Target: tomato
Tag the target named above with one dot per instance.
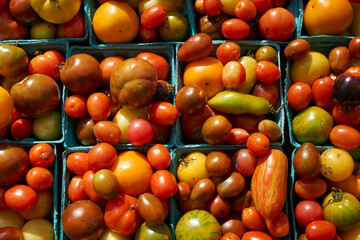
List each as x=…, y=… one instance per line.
x=153, y=17
x=351, y=235
x=231, y=185
x=233, y=75
x=98, y=106
x=122, y=215
x=339, y=58
x=228, y=51
x=191, y=168
x=107, y=132
x=161, y=133
x=307, y=211
x=41, y=155
x=47, y=63
x=88, y=186
x=148, y=35
x=217, y=164
x=133, y=172
x=267, y=72
x=163, y=184
x=246, y=121
x=336, y=164
x=21, y=129
x=342, y=115
x=190, y=99
x=230, y=236
x=107, y=67
x=244, y=162
x=245, y=10
x=212, y=25
x=258, y=144
x=163, y=91
x=255, y=235
x=354, y=47
x=237, y=136
x=345, y=137
x=297, y=49
x=74, y=28
x=85, y=131
x=321, y=91
x=102, y=155
x=232, y=223
x=40, y=179
x=299, y=96
x=115, y=22
x=78, y=162
x=106, y=184
x=10, y=233
x=163, y=113
x=216, y=130
x=199, y=7
x=20, y=198
x=160, y=63
x=253, y=220
x=220, y=207
x=76, y=191
x=310, y=188
x=320, y=229
x=2, y=199
x=266, y=53
x=75, y=106
x=277, y=24
x=235, y=29
x=139, y=132
x=203, y=190
x=183, y=191
x=115, y=106
x=158, y=156
x=151, y=209
x=212, y=7
x=263, y=5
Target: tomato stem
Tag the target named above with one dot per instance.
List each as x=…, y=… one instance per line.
x=336, y=196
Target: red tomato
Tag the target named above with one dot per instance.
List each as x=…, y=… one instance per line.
x=88, y=186
x=219, y=206
x=40, y=179
x=245, y=10
x=75, y=28
x=98, y=106
x=160, y=63
x=345, y=137
x=354, y=47
x=161, y=133
x=246, y=121
x=256, y=235
x=107, y=67
x=2, y=199
x=20, y=198
x=158, y=156
x=310, y=188
x=47, y=63
x=148, y=35
x=163, y=184
x=320, y=229
x=263, y=5
x=307, y=211
x=21, y=129
x=15, y=116
x=268, y=91
x=102, y=155
x=228, y=51
x=212, y=7
x=78, y=162
x=237, y=136
x=266, y=71
x=233, y=75
x=299, y=96
x=76, y=191
x=75, y=106
x=258, y=143
x=345, y=115
x=163, y=113
x=277, y=24
x=321, y=91
x=183, y=191
x=41, y=155
x=199, y=7
x=244, y=162
x=235, y=29
x=230, y=236
x=252, y=219
x=108, y=132
x=153, y=17
x=139, y=132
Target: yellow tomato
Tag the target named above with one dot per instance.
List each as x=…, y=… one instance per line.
x=228, y=6
x=10, y=218
x=110, y=235
x=38, y=229
x=6, y=106
x=351, y=235
x=205, y=73
x=42, y=207
x=249, y=64
x=351, y=184
x=310, y=68
x=169, y=5
x=191, y=169
x=336, y=164
x=116, y=22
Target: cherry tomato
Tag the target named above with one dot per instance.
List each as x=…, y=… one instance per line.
x=47, y=63
x=75, y=106
x=233, y=75
x=345, y=137
x=297, y=49
x=163, y=184
x=354, y=47
x=153, y=17
x=78, y=162
x=266, y=53
x=321, y=91
x=107, y=67
x=212, y=7
x=310, y=188
x=307, y=211
x=252, y=219
x=88, y=185
x=267, y=72
x=339, y=58
x=148, y=35
x=320, y=229
x=299, y=96
x=190, y=99
x=139, y=132
x=76, y=191
x=244, y=162
x=40, y=179
x=20, y=198
x=246, y=121
x=102, y=155
x=160, y=63
x=228, y=51
x=220, y=207
x=21, y=129
x=263, y=5
x=183, y=191
x=15, y=116
x=41, y=155
x=230, y=236
x=258, y=143
x=245, y=10
x=345, y=115
x=199, y=7
x=237, y=136
x=268, y=91
x=158, y=156
x=108, y=132
x=256, y=235
x=98, y=106
x=163, y=113
x=235, y=29
x=74, y=28
x=161, y=133
x=216, y=130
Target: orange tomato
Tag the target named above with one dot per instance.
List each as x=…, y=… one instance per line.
x=328, y=16
x=351, y=184
x=345, y=137
x=6, y=106
x=116, y=22
x=205, y=73
x=134, y=172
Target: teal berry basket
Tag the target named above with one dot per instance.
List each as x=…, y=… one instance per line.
x=248, y=48
x=178, y=153
x=95, y=41
x=125, y=51
x=32, y=47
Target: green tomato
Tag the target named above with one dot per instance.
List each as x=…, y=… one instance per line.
x=149, y=232
x=48, y=128
x=175, y=27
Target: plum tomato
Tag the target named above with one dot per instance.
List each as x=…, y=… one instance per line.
x=75, y=106
x=217, y=164
x=78, y=162
x=151, y=209
x=212, y=7
x=153, y=17
x=268, y=91
x=230, y=236
x=233, y=75
x=160, y=63
x=321, y=91
x=258, y=143
x=139, y=132
x=88, y=186
x=320, y=229
x=40, y=179
x=76, y=190
x=266, y=71
x=203, y=190
x=102, y=155
x=245, y=10
x=307, y=211
x=20, y=198
x=247, y=121
x=163, y=184
x=299, y=96
x=216, y=130
x=310, y=188
x=252, y=219
x=297, y=49
x=237, y=136
x=232, y=223
x=41, y=155
x=106, y=184
x=158, y=156
x=107, y=67
x=183, y=191
x=354, y=47
x=190, y=99
x=98, y=106
x=163, y=113
x=220, y=207
x=339, y=58
x=235, y=29
x=47, y=63
x=148, y=35
x=244, y=162
x=345, y=137
x=21, y=129
x=108, y=132
x=228, y=51
x=345, y=115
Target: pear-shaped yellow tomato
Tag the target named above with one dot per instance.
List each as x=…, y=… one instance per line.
x=116, y=22
x=6, y=106
x=330, y=17
x=57, y=12
x=191, y=168
x=311, y=67
x=336, y=164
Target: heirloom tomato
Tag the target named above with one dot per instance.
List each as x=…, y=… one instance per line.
x=336, y=164
x=108, y=132
x=190, y=99
x=160, y=64
x=307, y=211
x=102, y=155
x=107, y=67
x=342, y=115
x=163, y=184
x=245, y=10
x=7, y=106
x=212, y=7
x=153, y=17
x=310, y=188
x=98, y=106
x=159, y=156
x=299, y=96
x=321, y=92
x=351, y=184
x=78, y=162
x=320, y=229
x=252, y=219
x=47, y=63
x=43, y=206
x=217, y=164
x=76, y=191
x=40, y=179
x=20, y=198
x=75, y=106
x=258, y=143
x=230, y=236
x=139, y=132
x=235, y=29
x=192, y=168
x=266, y=71
x=163, y=113
x=228, y=51
x=345, y=137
